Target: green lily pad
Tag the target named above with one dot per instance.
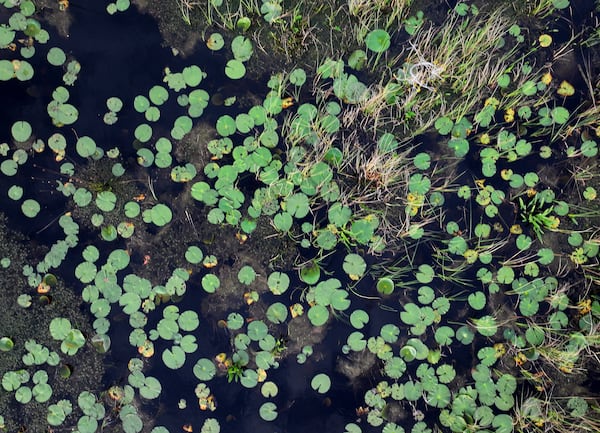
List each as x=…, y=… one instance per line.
x=268, y=411
x=257, y=330
x=278, y=282
x=321, y=383
x=193, y=75
x=378, y=40
x=318, y=315
x=359, y=318
x=6, y=344
x=235, y=69
x=242, y=48
x=486, y=325
x=173, y=357
x=21, y=131
x=354, y=265
x=204, y=369
x=215, y=42
x=210, y=283
x=85, y=146
x=277, y=313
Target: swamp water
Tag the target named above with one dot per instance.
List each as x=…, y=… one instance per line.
x=352, y=217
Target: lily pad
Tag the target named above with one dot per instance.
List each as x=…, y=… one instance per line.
x=215, y=42
x=321, y=383
x=378, y=40
x=235, y=69
x=268, y=411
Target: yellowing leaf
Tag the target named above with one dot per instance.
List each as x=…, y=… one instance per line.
x=296, y=310
x=146, y=349
x=565, y=89
x=545, y=40
x=547, y=78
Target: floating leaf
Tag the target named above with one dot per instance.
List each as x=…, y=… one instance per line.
x=85, y=272
x=143, y=132
x=283, y=221
x=545, y=40
x=235, y=321
x=15, y=192
x=174, y=357
x=318, y=315
x=6, y=344
x=23, y=395
x=257, y=330
x=235, y=69
x=106, y=200
x=159, y=214
x=268, y=411
x=114, y=104
x=443, y=335
x=565, y=89
x=359, y=318
x=389, y=332
x=242, y=48
x=486, y=325
x=444, y=125
x=321, y=383
x=150, y=388
x=21, y=131
x=226, y=125
x=204, y=369
x=269, y=389
x=354, y=265
x=42, y=392
x=188, y=321
x=278, y=282
x=277, y=313
x=560, y=115
x=158, y=95
x=30, y=208
x=385, y=286
x=378, y=40
x=438, y=396
x=210, y=283
x=194, y=254
x=9, y=167
x=215, y=42
x=85, y=146
x=425, y=274
x=477, y=300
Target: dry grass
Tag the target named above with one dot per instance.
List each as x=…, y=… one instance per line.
x=444, y=71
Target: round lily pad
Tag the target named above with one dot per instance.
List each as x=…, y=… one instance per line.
x=56, y=56
x=385, y=286
x=30, y=208
x=235, y=69
x=268, y=411
x=215, y=42
x=21, y=131
x=378, y=40
x=210, y=283
x=321, y=383
x=318, y=315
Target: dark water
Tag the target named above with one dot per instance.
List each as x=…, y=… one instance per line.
x=122, y=55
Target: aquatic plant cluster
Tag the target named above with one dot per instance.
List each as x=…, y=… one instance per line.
x=411, y=216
